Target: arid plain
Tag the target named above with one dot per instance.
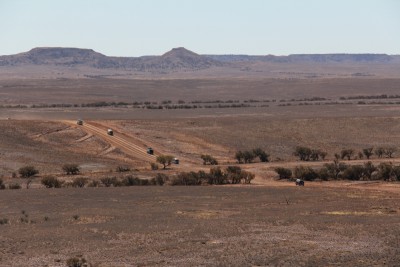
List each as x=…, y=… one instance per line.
x=270, y=222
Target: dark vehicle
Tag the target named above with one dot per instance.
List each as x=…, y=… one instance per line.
x=150, y=151
x=299, y=182
x=79, y=122
x=110, y=132
x=176, y=161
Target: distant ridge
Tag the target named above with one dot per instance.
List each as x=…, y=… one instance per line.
x=59, y=62
x=176, y=59
x=306, y=58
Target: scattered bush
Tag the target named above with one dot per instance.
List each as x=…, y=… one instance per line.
x=160, y=179
x=109, y=181
x=27, y=171
x=123, y=169
x=3, y=221
x=154, y=166
x=2, y=185
x=77, y=262
x=51, y=182
x=368, y=152
x=307, y=154
x=14, y=186
x=305, y=173
x=80, y=182
x=261, y=154
x=208, y=159
x=71, y=169
x=284, y=173
x=94, y=183
x=346, y=153
x=245, y=156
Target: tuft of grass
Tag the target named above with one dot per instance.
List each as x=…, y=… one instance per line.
x=75, y=217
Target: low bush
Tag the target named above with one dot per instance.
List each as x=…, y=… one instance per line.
x=71, y=169
x=51, y=182
x=123, y=169
x=154, y=166
x=80, y=182
x=27, y=171
x=2, y=185
x=284, y=173
x=208, y=159
x=77, y=262
x=14, y=186
x=109, y=181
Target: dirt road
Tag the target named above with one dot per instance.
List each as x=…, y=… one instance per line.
x=128, y=146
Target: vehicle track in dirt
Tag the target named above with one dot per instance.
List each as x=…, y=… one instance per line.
x=116, y=140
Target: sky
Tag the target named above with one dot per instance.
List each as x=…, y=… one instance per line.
x=153, y=27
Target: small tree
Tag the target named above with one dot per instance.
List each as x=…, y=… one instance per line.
x=389, y=151
x=385, y=171
x=27, y=171
x=283, y=173
x=354, y=172
x=248, y=156
x=369, y=169
x=346, y=153
x=71, y=169
x=239, y=156
x=335, y=169
x=208, y=159
x=165, y=160
x=233, y=173
x=304, y=153
x=247, y=176
x=305, y=173
x=379, y=152
x=368, y=152
x=261, y=154
x=2, y=185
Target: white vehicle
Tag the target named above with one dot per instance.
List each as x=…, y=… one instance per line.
x=110, y=132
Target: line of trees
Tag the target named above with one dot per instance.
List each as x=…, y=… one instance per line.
x=339, y=170
x=249, y=156
x=216, y=176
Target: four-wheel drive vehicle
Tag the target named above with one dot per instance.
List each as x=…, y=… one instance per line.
x=150, y=151
x=79, y=122
x=299, y=182
x=110, y=132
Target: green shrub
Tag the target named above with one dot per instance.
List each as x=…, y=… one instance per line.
x=3, y=221
x=2, y=185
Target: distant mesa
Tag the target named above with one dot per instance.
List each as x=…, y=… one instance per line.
x=176, y=60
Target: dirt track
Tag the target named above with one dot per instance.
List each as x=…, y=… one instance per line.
x=134, y=149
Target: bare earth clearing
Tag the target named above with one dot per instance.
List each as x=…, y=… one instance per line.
x=268, y=223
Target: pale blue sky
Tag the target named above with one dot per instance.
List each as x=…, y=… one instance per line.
x=152, y=27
